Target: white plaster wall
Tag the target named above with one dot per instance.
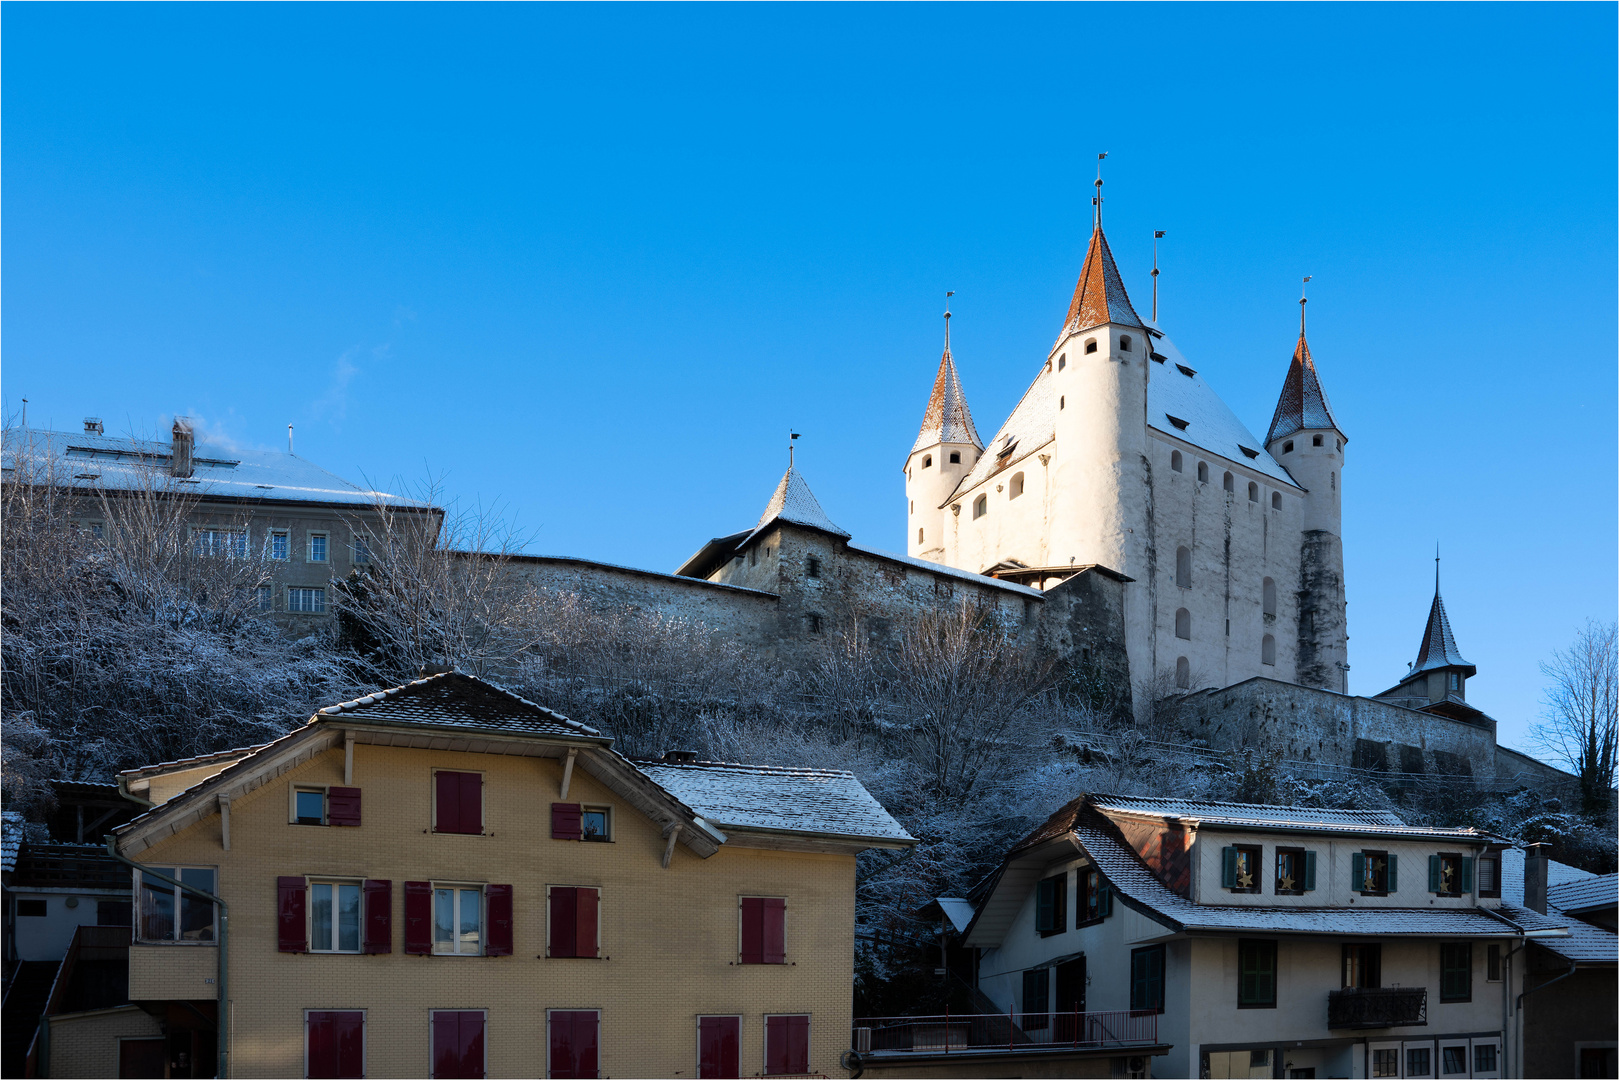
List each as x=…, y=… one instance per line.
x=47, y=937
x=1014, y=528
x=926, y=489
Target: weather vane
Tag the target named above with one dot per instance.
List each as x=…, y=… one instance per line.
x=1303, y=299
x=1157, y=235
x=1097, y=202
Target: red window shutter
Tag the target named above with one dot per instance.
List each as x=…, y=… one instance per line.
x=786, y=1045
x=774, y=937
x=291, y=927
x=418, y=917
x=718, y=1047
x=564, y=921
x=586, y=902
x=320, y=1045
x=500, y=921
x=753, y=940
x=379, y=916
x=343, y=806
x=350, y=1044
x=798, y=1044
x=573, y=1044
x=458, y=1044
x=565, y=821
x=447, y=816
x=775, y=1045
x=471, y=802
x=472, y=1045
x=335, y=1045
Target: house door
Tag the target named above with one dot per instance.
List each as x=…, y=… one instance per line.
x=142, y=1057
x=1070, y=1002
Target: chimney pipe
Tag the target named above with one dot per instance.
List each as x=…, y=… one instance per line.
x=1536, y=858
x=181, y=445
x=94, y=426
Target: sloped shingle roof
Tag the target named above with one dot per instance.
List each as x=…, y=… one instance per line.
x=1244, y=815
x=1438, y=648
x=1303, y=404
x=824, y=801
x=11, y=837
x=947, y=419
x=1586, y=895
x=1099, y=295
x=459, y=701
x=1585, y=943
x=794, y=501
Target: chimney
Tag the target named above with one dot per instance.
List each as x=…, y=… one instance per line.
x=1535, y=860
x=182, y=442
x=679, y=757
x=94, y=426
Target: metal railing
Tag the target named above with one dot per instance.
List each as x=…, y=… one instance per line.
x=1377, y=1008
x=948, y=1033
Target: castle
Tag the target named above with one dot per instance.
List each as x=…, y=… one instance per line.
x=1121, y=455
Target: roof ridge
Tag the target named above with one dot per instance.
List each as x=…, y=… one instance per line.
x=791, y=769
x=379, y=695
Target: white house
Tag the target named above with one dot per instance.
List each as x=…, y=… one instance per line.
x=1270, y=941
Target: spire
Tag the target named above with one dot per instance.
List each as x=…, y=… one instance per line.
x=1303, y=404
x=1099, y=297
x=1438, y=649
x=947, y=419
x=793, y=501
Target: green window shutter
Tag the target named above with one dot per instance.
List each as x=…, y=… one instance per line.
x=1433, y=873
x=1104, y=899
x=1357, y=871
x=1467, y=875
x=1394, y=873
x=1228, y=868
x=1309, y=871
x=1043, y=905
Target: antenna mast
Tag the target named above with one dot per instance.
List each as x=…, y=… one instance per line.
x=289, y=438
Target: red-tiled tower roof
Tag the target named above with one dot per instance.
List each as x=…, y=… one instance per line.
x=1303, y=404
x=1099, y=297
x=947, y=419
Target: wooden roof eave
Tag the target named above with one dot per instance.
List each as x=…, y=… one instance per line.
x=822, y=843
x=1017, y=876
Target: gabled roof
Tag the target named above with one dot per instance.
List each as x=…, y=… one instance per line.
x=12, y=827
x=1253, y=816
x=947, y=419
x=455, y=700
x=793, y=501
x=821, y=802
x=1099, y=296
x=1303, y=405
x=1591, y=894
x=1585, y=943
x=89, y=462
x=1438, y=649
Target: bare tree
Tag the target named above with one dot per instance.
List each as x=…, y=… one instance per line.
x=1581, y=721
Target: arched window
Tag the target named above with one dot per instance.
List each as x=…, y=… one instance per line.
x=1183, y=567
x=1230, y=483
x=1253, y=491
x=1183, y=624
x=1124, y=343
x=1090, y=346
x=919, y=538
x=1269, y=596
x=913, y=506
x=1017, y=487
x=980, y=506
x=1175, y=461
x=1267, y=651
x=955, y=457
x=1202, y=472
x=1183, y=673
x=927, y=461
x=1062, y=361
x=1276, y=500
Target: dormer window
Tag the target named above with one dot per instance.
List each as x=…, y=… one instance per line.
x=1188, y=372
x=1179, y=424
x=1090, y=346
x=927, y=461
x=1124, y=343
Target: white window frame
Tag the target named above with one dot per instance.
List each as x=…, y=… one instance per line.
x=216, y=533
x=1419, y=1044
x=292, y=803
x=264, y=598
x=309, y=913
x=432, y=1051
x=607, y=818
x=809, y=1047
x=174, y=870
x=269, y=545
x=1399, y=1056
x=1441, y=1045
x=455, y=933
x=548, y=1013
x=1472, y=1057
x=365, y=1037
x=311, y=589
x=786, y=906
x=360, y=555
x=597, y=889
x=309, y=547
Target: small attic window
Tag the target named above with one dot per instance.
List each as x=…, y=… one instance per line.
x=927, y=462
x=1180, y=425
x=1006, y=450
x=1247, y=451
x=1158, y=356
x=1315, y=440
x=1062, y=361
x=1287, y=447
x=1090, y=346
x=1188, y=372
x=1124, y=343
x=955, y=457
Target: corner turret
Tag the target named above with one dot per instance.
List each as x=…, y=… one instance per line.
x=1439, y=672
x=946, y=449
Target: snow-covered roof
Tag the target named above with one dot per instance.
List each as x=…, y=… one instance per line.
x=826, y=802
x=452, y=699
x=957, y=910
x=794, y=501
x=1031, y=425
x=1303, y=405
x=1589, y=894
x=88, y=461
x=1438, y=649
x=947, y=419
x=1585, y=942
x=182, y=764
x=12, y=826
x=949, y=571
x=1099, y=295
x=1247, y=816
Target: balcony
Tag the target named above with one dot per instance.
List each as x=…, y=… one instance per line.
x=951, y=1034
x=1380, y=1008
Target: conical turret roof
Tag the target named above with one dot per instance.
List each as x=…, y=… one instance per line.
x=794, y=502
x=1438, y=650
x=1303, y=404
x=1099, y=297
x=947, y=419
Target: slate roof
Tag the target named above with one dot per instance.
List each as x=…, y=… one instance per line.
x=11, y=837
x=1438, y=649
x=1099, y=296
x=89, y=462
x=455, y=700
x=1246, y=816
x=793, y=501
x=1303, y=404
x=814, y=801
x=1585, y=895
x=182, y=764
x=947, y=419
x=1586, y=943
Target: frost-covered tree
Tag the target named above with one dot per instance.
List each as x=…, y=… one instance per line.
x=1581, y=721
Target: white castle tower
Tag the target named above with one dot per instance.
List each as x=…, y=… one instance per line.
x=1121, y=456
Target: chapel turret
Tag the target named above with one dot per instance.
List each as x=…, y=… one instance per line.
x=946, y=449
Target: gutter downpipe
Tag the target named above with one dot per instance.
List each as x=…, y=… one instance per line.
x=222, y=1022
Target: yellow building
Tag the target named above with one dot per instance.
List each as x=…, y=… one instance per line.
x=444, y=879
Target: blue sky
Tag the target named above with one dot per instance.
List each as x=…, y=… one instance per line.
x=591, y=263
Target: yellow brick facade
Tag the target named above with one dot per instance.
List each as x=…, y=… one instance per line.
x=86, y=1043
x=669, y=937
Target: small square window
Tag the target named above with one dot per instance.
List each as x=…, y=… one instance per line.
x=1315, y=440
x=334, y=916
x=280, y=545
x=594, y=824
x=31, y=909
x=317, y=547
x=309, y=806
x=1290, y=872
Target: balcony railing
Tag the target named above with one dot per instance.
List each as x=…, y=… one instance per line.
x=947, y=1033
x=1381, y=1008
